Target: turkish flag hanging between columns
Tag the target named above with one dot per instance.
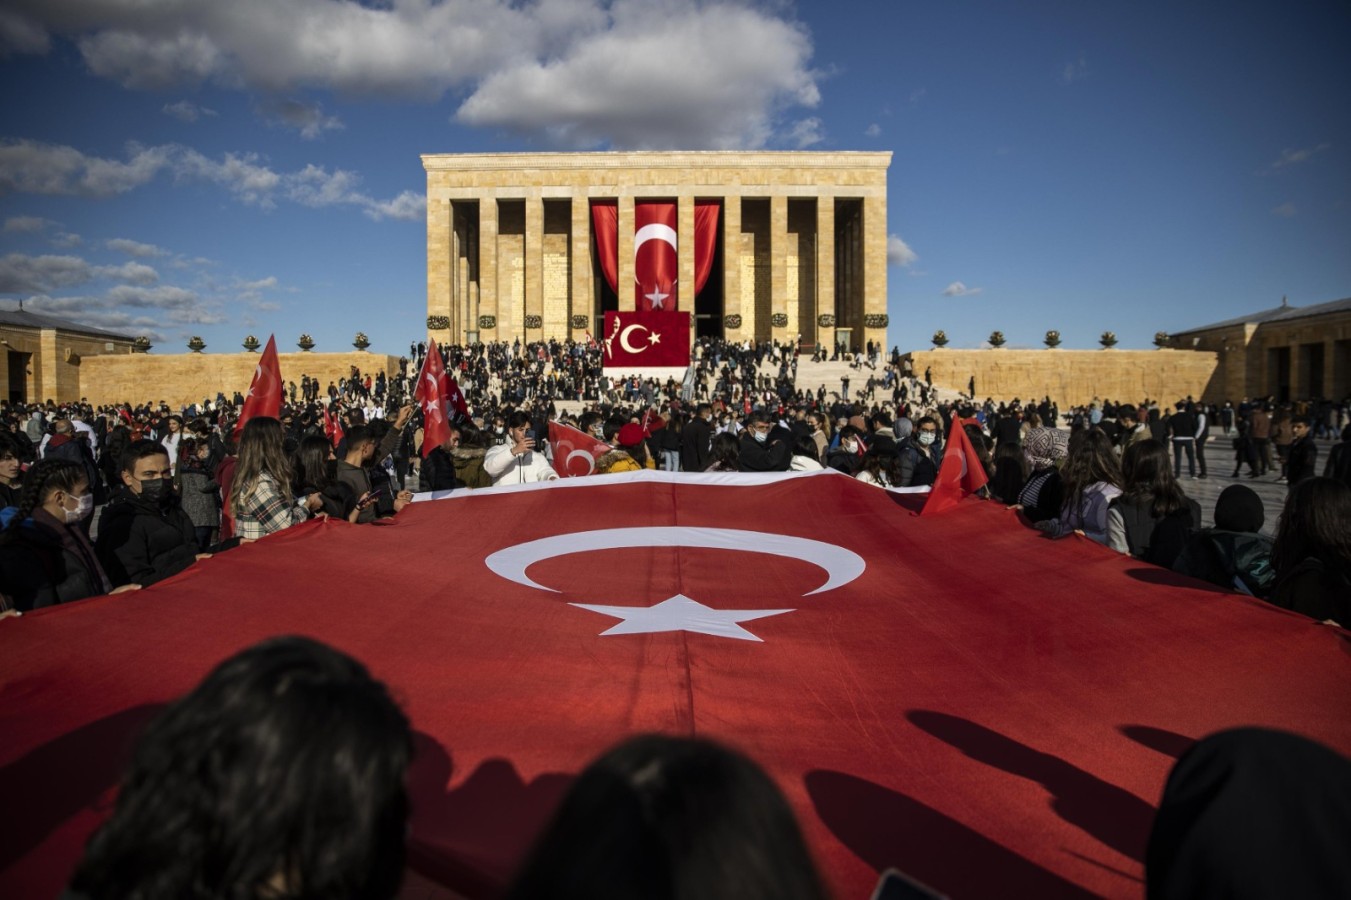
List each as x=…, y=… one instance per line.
x=959, y=474
x=575, y=452
x=656, y=246
x=646, y=339
x=431, y=396
x=264, y=397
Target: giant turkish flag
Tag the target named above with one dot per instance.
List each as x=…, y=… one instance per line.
x=988, y=710
x=637, y=340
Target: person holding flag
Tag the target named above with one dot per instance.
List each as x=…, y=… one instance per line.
x=264, y=397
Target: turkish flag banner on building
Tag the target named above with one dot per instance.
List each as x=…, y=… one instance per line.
x=574, y=452
x=988, y=735
x=656, y=267
x=431, y=396
x=264, y=397
x=646, y=339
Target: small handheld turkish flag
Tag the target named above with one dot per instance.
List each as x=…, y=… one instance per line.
x=264, y=397
x=575, y=452
x=960, y=473
x=431, y=396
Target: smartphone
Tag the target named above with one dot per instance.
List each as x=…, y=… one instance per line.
x=895, y=885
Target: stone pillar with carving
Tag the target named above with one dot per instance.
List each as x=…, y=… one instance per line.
x=487, y=270
x=534, y=270
x=825, y=274
x=440, y=269
x=582, y=297
x=625, y=278
x=778, y=266
x=874, y=271
x=731, y=268
x=685, y=254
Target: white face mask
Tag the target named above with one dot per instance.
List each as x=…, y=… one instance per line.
x=927, y=437
x=80, y=512
x=851, y=446
x=762, y=436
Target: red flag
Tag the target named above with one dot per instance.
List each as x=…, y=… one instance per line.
x=333, y=426
x=574, y=452
x=645, y=340
x=455, y=404
x=960, y=473
x=264, y=397
x=1005, y=747
x=655, y=266
x=432, y=383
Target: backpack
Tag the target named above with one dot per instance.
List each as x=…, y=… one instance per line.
x=1236, y=560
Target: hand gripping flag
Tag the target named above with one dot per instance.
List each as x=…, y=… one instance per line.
x=431, y=396
x=264, y=397
x=574, y=452
x=961, y=473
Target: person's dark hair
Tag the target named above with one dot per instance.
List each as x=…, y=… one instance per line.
x=759, y=416
x=670, y=818
x=805, y=446
x=725, y=450
x=358, y=435
x=41, y=479
x=881, y=420
x=850, y=431
x=517, y=418
x=309, y=464
x=471, y=436
x=885, y=468
x=1314, y=523
x=1147, y=477
x=9, y=446
x=281, y=774
x=1090, y=460
x=137, y=451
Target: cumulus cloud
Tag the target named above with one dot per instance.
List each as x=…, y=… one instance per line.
x=957, y=289
x=36, y=168
x=1290, y=157
x=1075, y=70
x=27, y=224
x=1286, y=210
x=805, y=133
x=899, y=252
x=22, y=274
x=307, y=118
x=65, y=240
x=632, y=73
x=135, y=248
x=186, y=111
x=872, y=130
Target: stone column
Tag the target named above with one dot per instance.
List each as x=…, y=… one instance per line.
x=487, y=266
x=685, y=256
x=534, y=266
x=825, y=270
x=731, y=264
x=440, y=266
x=624, y=279
x=582, y=300
x=874, y=266
x=778, y=262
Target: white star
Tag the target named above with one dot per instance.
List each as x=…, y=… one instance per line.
x=656, y=297
x=680, y=613
x=653, y=338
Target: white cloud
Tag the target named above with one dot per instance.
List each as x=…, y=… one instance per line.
x=308, y=119
x=186, y=111
x=21, y=274
x=1290, y=157
x=957, y=289
x=27, y=224
x=805, y=133
x=1286, y=210
x=65, y=240
x=899, y=252
x=633, y=73
x=32, y=167
x=1075, y=70
x=135, y=248
x=872, y=130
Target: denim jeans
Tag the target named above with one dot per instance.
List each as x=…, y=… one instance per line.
x=1189, y=444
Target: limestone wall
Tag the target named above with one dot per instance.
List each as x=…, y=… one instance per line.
x=180, y=379
x=1073, y=377
x=51, y=360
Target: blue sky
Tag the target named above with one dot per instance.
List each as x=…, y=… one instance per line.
x=213, y=168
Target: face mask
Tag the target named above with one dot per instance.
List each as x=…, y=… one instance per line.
x=156, y=489
x=927, y=437
x=851, y=446
x=762, y=436
x=81, y=512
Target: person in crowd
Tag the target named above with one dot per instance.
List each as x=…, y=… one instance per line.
x=11, y=474
x=1182, y=428
x=670, y=441
x=438, y=466
x=1010, y=472
x=1301, y=458
x=981, y=444
x=173, y=436
x=352, y=470
x=1282, y=436
x=515, y=460
x=880, y=468
x=72, y=445
x=669, y=818
x=765, y=446
x=1092, y=480
x=804, y=455
x=928, y=453
x=1132, y=430
x=1234, y=554
x=1043, y=493
x=696, y=440
x=1339, y=459
x=290, y=720
x=45, y=556
x=196, y=490
x=144, y=536
x=314, y=471
x=469, y=456
x=1312, y=556
x=847, y=456
x=1153, y=517
x=259, y=496
x=629, y=453
x=1250, y=814
x=1259, y=432
x=725, y=453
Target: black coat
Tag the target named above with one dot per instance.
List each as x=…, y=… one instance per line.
x=695, y=445
x=438, y=472
x=1302, y=463
x=774, y=455
x=140, y=542
x=38, y=568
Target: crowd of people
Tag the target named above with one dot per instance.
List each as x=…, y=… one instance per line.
x=170, y=488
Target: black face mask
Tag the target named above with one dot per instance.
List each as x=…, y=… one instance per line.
x=158, y=490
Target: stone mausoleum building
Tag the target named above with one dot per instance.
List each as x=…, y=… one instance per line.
x=43, y=355
x=800, y=243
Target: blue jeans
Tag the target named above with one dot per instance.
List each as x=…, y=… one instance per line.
x=1178, y=445
x=670, y=460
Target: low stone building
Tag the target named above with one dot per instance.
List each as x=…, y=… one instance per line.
x=44, y=355
x=1289, y=352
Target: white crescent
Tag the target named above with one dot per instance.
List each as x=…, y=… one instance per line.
x=840, y=565
x=590, y=461
x=654, y=232
x=624, y=339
